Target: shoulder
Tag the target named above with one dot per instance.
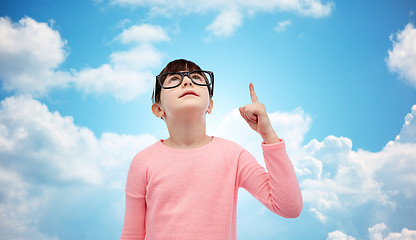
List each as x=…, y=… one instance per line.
x=228, y=145
x=147, y=153
x=220, y=140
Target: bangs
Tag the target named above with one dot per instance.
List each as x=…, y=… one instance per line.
x=180, y=65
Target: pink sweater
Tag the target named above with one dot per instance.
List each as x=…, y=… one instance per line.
x=192, y=194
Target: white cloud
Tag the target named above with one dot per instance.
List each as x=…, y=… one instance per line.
x=145, y=33
x=338, y=235
x=405, y=234
x=231, y=13
x=122, y=85
x=281, y=26
x=408, y=131
x=315, y=8
x=351, y=178
x=402, y=58
x=377, y=232
x=44, y=145
x=226, y=23
x=30, y=54
x=17, y=206
x=44, y=155
x=49, y=148
x=338, y=178
x=312, y=8
x=126, y=76
x=33, y=52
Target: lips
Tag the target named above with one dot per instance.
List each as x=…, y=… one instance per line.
x=189, y=92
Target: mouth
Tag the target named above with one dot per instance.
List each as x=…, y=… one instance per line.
x=188, y=93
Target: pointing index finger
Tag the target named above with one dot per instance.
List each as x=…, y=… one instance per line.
x=253, y=94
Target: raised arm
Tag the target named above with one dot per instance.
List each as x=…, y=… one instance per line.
x=277, y=189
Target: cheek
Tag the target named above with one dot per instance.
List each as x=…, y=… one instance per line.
x=165, y=99
x=164, y=95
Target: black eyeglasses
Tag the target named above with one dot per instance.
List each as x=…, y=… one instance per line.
x=174, y=79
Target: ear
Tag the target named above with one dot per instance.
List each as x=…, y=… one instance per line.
x=211, y=105
x=158, y=111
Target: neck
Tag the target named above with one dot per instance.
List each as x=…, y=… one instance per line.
x=186, y=133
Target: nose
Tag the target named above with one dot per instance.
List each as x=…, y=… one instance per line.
x=186, y=81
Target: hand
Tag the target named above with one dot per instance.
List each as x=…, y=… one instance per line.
x=256, y=116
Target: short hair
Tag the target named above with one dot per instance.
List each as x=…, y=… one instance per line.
x=176, y=66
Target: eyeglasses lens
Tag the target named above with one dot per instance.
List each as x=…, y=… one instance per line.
x=201, y=78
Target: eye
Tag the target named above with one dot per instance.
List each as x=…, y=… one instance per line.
x=197, y=78
x=174, y=79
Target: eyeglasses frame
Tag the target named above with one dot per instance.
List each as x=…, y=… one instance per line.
x=188, y=74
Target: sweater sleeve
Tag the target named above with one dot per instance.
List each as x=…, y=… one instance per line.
x=135, y=209
x=277, y=189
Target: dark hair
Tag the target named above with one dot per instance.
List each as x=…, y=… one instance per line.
x=176, y=66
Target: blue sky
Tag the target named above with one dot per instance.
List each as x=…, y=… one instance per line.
x=337, y=77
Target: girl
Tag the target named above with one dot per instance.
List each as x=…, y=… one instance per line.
x=185, y=187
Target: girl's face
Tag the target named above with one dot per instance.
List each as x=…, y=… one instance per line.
x=186, y=98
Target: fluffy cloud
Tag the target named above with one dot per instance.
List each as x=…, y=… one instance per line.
x=30, y=54
x=338, y=235
x=402, y=58
x=128, y=74
x=338, y=178
x=44, y=156
x=405, y=234
x=125, y=77
x=48, y=149
x=345, y=180
x=408, y=131
x=349, y=178
x=376, y=232
x=44, y=146
x=226, y=23
x=143, y=34
x=33, y=51
x=231, y=13
x=312, y=8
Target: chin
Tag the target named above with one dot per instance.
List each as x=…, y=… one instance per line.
x=193, y=108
